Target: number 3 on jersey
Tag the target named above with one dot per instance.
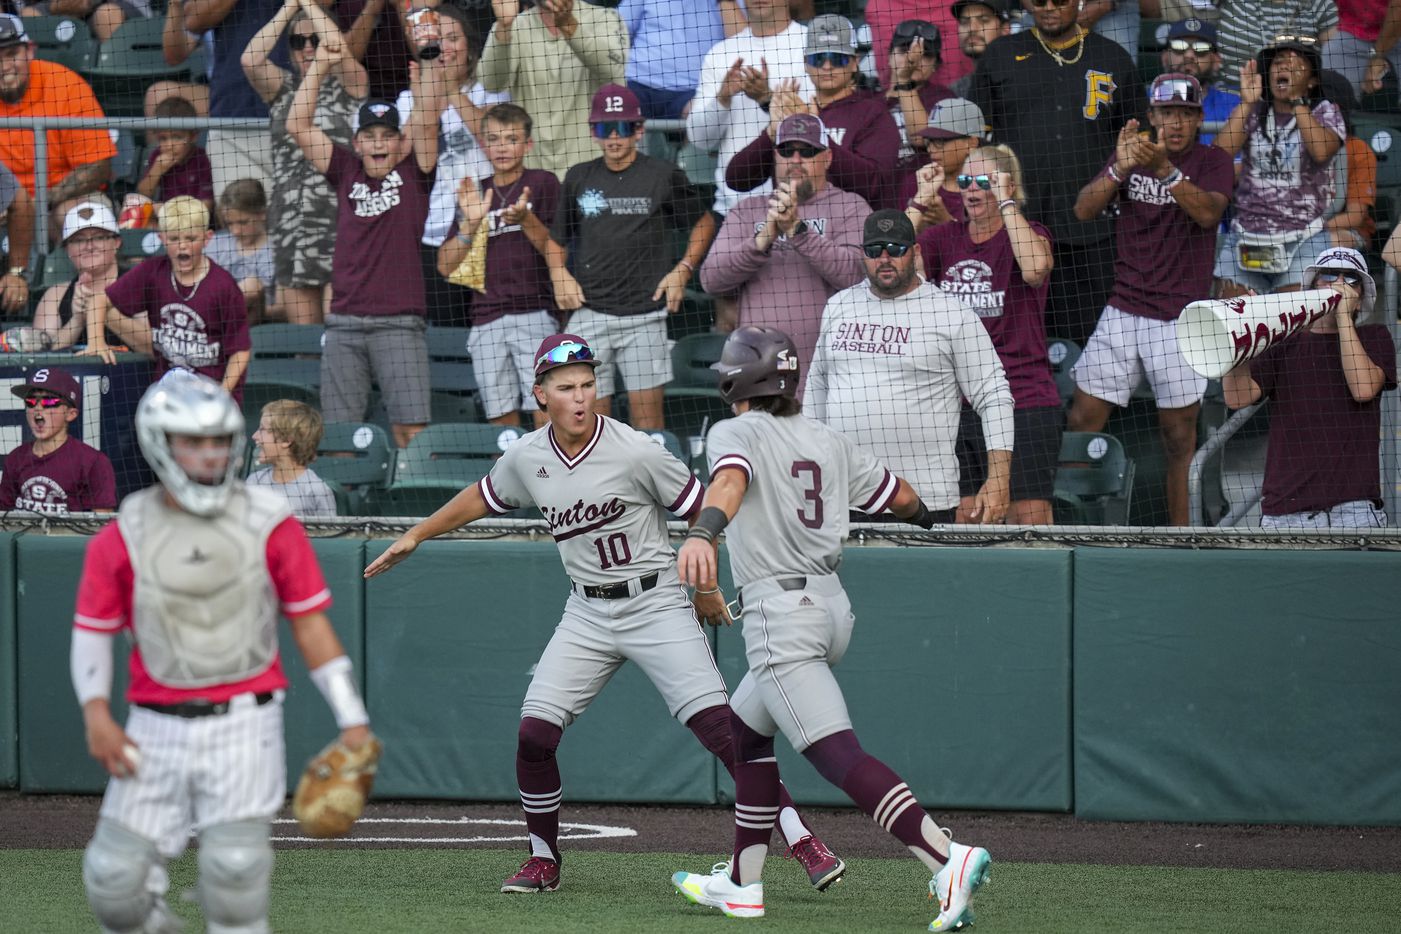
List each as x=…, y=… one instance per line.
x=613, y=551
x=809, y=476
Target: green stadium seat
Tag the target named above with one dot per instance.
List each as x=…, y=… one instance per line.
x=63, y=40
x=58, y=269
x=1383, y=133
x=286, y=364
x=140, y=244
x=1063, y=354
x=439, y=463
x=1094, y=480
x=128, y=62
x=691, y=401
x=669, y=441
x=451, y=376
x=359, y=457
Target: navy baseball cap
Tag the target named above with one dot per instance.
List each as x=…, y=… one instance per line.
x=559, y=350
x=50, y=379
x=377, y=113
x=1190, y=28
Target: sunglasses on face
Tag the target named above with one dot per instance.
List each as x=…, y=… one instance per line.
x=568, y=352
x=1191, y=45
x=607, y=128
x=874, y=250
x=43, y=402
x=982, y=181
x=1333, y=275
x=1045, y=3
x=835, y=59
x=297, y=41
x=803, y=150
x=1175, y=91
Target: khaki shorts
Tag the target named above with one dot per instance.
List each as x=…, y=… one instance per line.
x=634, y=345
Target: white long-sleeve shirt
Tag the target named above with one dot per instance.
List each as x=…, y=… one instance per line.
x=713, y=127
x=891, y=375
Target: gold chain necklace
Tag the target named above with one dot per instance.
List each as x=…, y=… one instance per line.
x=1060, y=59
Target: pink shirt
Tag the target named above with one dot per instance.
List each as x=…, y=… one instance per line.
x=105, y=600
x=884, y=15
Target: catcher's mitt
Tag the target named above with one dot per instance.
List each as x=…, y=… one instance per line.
x=333, y=789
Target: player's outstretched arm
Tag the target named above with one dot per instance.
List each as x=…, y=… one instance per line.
x=696, y=562
x=467, y=506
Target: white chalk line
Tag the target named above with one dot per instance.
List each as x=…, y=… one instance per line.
x=567, y=831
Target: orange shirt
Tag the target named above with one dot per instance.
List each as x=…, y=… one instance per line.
x=1362, y=183
x=54, y=91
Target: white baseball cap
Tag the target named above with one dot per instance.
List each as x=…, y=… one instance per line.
x=89, y=214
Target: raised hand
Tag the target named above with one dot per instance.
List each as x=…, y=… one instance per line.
x=473, y=205
x=783, y=209
x=732, y=83
x=1124, y=157
x=506, y=12
x=1252, y=86
x=515, y=214
x=756, y=82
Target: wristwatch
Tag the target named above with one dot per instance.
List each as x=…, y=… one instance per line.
x=16, y=271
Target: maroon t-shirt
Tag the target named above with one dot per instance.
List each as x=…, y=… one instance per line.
x=193, y=177
x=517, y=279
x=75, y=478
x=376, y=269
x=986, y=278
x=192, y=327
x=1323, y=445
x=865, y=145
x=1165, y=257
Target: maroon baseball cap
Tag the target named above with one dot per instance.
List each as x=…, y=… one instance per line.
x=801, y=128
x=562, y=350
x=50, y=379
x=614, y=102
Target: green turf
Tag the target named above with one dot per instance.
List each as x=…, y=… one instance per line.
x=391, y=891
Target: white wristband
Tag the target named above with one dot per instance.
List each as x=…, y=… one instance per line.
x=335, y=680
x=90, y=663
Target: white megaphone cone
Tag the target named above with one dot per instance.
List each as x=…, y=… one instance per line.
x=1217, y=335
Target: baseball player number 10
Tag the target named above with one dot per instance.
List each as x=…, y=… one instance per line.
x=615, y=547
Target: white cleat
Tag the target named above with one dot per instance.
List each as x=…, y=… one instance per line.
x=717, y=891
x=955, y=883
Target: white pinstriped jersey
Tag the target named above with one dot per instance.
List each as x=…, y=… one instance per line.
x=803, y=480
x=606, y=506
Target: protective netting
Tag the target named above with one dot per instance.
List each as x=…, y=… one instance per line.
x=365, y=218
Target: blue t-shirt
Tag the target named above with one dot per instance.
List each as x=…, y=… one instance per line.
x=1216, y=108
x=230, y=94
x=669, y=40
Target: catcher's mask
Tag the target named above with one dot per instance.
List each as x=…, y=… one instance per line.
x=757, y=362
x=185, y=403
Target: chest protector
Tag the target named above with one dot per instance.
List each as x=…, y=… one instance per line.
x=204, y=610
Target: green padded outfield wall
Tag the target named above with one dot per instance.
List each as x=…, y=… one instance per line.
x=52, y=751
x=957, y=676
x=454, y=635
x=9, y=714
x=1237, y=686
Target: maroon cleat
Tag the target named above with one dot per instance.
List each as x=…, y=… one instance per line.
x=536, y=874
x=824, y=867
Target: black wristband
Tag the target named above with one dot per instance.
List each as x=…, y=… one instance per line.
x=922, y=517
x=709, y=524
x=904, y=86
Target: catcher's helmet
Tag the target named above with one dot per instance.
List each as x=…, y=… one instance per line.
x=757, y=362
x=185, y=403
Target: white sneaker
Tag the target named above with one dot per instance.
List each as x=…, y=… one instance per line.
x=717, y=891
x=955, y=883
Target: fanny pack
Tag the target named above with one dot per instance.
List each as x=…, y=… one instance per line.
x=1271, y=253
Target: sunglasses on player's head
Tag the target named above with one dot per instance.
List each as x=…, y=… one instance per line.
x=789, y=150
x=297, y=42
x=44, y=402
x=982, y=181
x=835, y=59
x=874, y=250
x=567, y=352
x=606, y=128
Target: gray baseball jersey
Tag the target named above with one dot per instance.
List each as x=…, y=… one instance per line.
x=605, y=506
x=803, y=479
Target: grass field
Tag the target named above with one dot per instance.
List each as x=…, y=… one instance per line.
x=432, y=890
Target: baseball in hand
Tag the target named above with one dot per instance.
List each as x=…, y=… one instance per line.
x=132, y=755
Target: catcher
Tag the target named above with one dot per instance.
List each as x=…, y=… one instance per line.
x=196, y=570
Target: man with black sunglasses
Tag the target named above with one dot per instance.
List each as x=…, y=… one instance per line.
x=1058, y=95
x=54, y=474
x=895, y=359
x=787, y=253
x=1189, y=48
x=861, y=134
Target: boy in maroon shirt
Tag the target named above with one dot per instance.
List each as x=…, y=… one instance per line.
x=514, y=312
x=182, y=308
x=376, y=328
x=55, y=474
x=1172, y=190
x=177, y=166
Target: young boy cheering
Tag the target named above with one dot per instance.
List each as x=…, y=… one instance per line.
x=55, y=474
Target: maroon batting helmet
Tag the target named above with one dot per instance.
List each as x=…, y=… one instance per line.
x=757, y=362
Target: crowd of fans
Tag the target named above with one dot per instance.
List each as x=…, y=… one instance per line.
x=488, y=166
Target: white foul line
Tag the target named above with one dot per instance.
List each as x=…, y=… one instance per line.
x=568, y=831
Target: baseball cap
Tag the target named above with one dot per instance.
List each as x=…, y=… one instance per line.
x=888, y=226
x=89, y=215
x=1190, y=28
x=1345, y=259
x=830, y=33
x=912, y=29
x=955, y=118
x=999, y=7
x=12, y=31
x=52, y=380
x=1173, y=90
x=377, y=113
x=559, y=350
x=801, y=128
x=614, y=102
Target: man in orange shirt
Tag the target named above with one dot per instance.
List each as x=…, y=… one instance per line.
x=79, y=160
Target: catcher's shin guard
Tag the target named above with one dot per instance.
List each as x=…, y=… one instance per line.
x=235, y=876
